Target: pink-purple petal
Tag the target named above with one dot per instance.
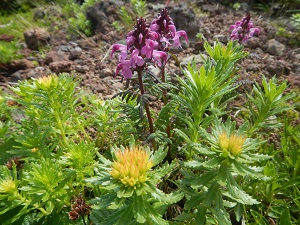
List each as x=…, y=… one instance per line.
x=118, y=47
x=124, y=67
x=179, y=34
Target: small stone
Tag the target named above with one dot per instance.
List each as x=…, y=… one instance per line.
x=60, y=66
x=82, y=69
x=186, y=60
x=222, y=38
x=74, y=54
x=21, y=64
x=15, y=77
x=54, y=56
x=36, y=37
x=275, y=47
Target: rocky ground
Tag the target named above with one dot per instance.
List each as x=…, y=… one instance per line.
x=89, y=58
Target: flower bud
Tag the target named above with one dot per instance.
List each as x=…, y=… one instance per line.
x=131, y=166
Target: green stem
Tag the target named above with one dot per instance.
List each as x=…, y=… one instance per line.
x=82, y=129
x=61, y=128
x=28, y=202
x=148, y=113
x=58, y=122
x=165, y=100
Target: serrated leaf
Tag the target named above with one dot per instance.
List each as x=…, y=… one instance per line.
x=158, y=156
x=139, y=209
x=213, y=162
x=211, y=194
x=243, y=170
x=204, y=179
x=201, y=215
x=285, y=217
x=125, y=192
x=162, y=171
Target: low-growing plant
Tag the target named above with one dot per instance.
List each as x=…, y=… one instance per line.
x=295, y=18
x=8, y=51
x=78, y=23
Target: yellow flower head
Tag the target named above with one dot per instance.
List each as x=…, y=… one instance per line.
x=233, y=144
x=131, y=166
x=7, y=186
x=47, y=82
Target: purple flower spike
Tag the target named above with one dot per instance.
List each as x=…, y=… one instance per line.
x=243, y=29
x=141, y=43
x=164, y=26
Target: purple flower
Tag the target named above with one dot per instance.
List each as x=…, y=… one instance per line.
x=243, y=29
x=164, y=26
x=122, y=48
x=136, y=59
x=141, y=43
x=160, y=57
x=179, y=34
x=148, y=48
x=125, y=68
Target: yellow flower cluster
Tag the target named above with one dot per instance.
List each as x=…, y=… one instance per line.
x=47, y=82
x=233, y=144
x=131, y=166
x=7, y=186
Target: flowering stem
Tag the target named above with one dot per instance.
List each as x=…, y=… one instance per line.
x=165, y=100
x=146, y=103
x=163, y=78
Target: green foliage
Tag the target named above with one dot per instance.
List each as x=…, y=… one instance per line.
x=78, y=24
x=266, y=103
x=13, y=26
x=211, y=178
x=202, y=94
x=295, y=18
x=11, y=6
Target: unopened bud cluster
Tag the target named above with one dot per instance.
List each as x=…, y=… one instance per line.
x=233, y=144
x=47, y=82
x=7, y=186
x=131, y=166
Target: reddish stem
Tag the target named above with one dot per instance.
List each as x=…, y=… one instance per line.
x=148, y=113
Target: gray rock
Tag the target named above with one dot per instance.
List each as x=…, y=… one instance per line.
x=253, y=67
x=222, y=38
x=275, y=47
x=15, y=77
x=74, y=54
x=37, y=72
x=98, y=15
x=198, y=59
x=184, y=18
x=65, y=48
